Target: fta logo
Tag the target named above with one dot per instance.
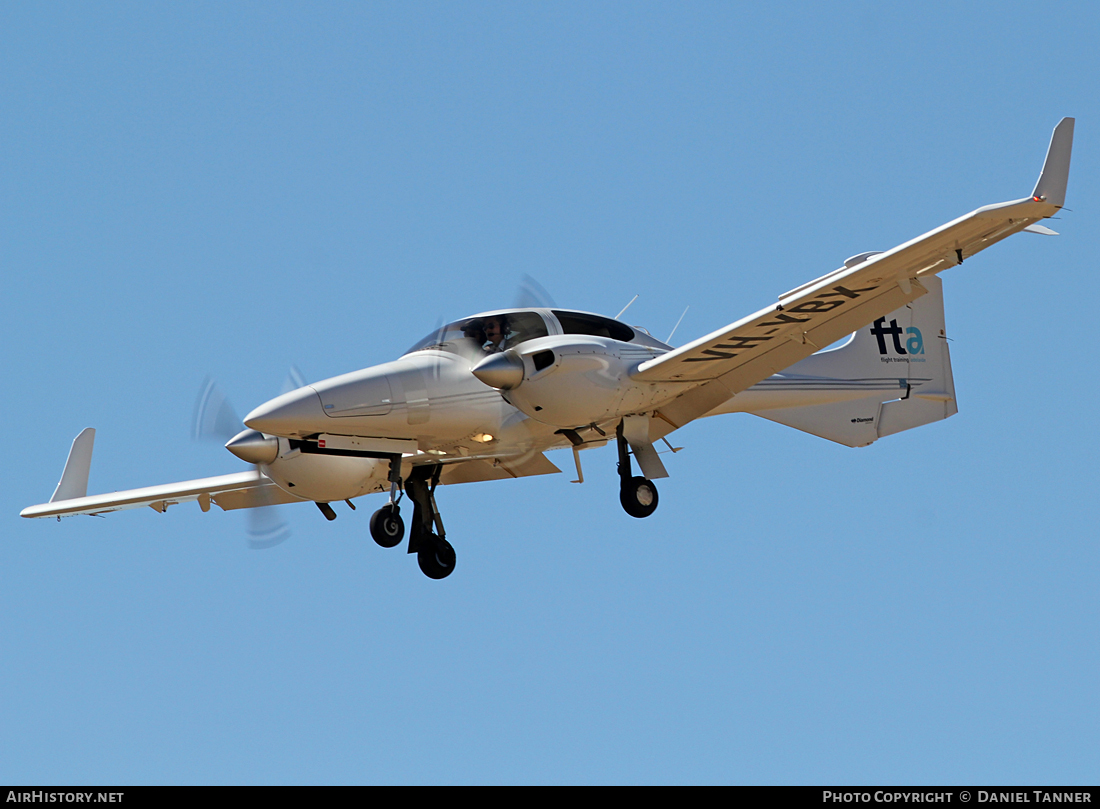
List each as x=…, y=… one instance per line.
x=914, y=344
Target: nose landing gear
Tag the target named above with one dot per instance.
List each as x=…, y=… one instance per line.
x=433, y=552
x=386, y=526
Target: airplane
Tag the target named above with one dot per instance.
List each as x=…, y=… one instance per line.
x=484, y=398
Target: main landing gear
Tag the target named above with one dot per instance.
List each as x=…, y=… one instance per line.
x=433, y=552
x=637, y=494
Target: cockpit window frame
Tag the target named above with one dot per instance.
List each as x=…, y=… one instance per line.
x=467, y=337
x=586, y=323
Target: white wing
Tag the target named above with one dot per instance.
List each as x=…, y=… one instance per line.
x=473, y=471
x=243, y=489
x=239, y=490
x=822, y=311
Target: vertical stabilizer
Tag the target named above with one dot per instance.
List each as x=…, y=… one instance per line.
x=890, y=376
x=74, y=480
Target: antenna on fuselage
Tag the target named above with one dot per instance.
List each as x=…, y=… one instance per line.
x=674, y=328
x=626, y=307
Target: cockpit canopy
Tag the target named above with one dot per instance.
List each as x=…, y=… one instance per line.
x=475, y=337
x=485, y=334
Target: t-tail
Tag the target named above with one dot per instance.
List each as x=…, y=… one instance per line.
x=891, y=376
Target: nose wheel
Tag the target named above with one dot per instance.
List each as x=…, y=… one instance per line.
x=427, y=538
x=386, y=526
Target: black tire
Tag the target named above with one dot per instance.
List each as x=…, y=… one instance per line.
x=639, y=497
x=386, y=526
x=436, y=558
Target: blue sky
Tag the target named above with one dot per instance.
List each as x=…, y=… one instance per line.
x=231, y=190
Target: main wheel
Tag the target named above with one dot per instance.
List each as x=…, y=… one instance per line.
x=387, y=527
x=436, y=558
x=638, y=496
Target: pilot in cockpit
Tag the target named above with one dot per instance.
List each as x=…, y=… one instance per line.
x=496, y=334
x=474, y=331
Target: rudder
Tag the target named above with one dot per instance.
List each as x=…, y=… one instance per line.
x=890, y=376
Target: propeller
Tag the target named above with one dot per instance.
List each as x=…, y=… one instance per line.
x=293, y=380
x=532, y=295
x=215, y=419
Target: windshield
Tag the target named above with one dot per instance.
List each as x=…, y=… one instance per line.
x=475, y=337
x=595, y=325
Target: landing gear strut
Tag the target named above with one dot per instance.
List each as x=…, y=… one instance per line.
x=433, y=552
x=386, y=526
x=638, y=495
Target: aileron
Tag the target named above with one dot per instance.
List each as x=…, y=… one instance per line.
x=803, y=315
x=228, y=491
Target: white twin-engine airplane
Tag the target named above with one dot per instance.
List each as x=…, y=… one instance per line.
x=483, y=398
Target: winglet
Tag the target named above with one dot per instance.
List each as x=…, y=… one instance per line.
x=74, y=480
x=1052, y=182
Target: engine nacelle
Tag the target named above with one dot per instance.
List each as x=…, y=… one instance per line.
x=564, y=380
x=324, y=478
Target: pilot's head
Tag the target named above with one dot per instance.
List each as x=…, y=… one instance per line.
x=496, y=329
x=475, y=330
